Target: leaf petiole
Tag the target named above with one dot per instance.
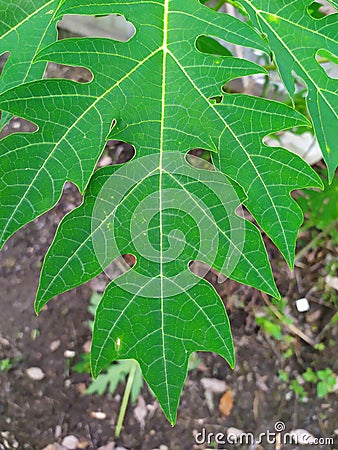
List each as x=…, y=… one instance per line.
x=125, y=399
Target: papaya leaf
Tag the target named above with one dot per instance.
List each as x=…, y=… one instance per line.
x=333, y=3
x=295, y=39
x=74, y=111
x=25, y=28
x=166, y=213
x=158, y=92
x=68, y=114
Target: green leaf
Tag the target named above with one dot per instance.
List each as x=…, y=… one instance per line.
x=158, y=91
x=310, y=376
x=115, y=374
x=274, y=329
x=121, y=211
x=25, y=28
x=68, y=114
x=322, y=206
x=333, y=3
x=295, y=37
x=314, y=10
x=73, y=110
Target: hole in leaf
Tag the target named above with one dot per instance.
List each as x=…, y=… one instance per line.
x=18, y=125
x=3, y=60
x=118, y=152
x=202, y=270
x=216, y=99
x=328, y=62
x=243, y=85
x=301, y=142
x=319, y=10
x=315, y=10
x=120, y=266
x=226, y=7
x=212, y=45
x=111, y=26
x=78, y=74
x=200, y=159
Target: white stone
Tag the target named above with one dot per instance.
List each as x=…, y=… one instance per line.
x=35, y=373
x=99, y=415
x=110, y=446
x=302, y=305
x=214, y=385
x=303, y=437
x=70, y=442
x=54, y=345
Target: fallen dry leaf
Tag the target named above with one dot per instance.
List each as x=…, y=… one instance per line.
x=81, y=388
x=82, y=444
x=226, y=403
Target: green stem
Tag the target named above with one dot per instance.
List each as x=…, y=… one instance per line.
x=218, y=5
x=265, y=86
x=272, y=67
x=125, y=400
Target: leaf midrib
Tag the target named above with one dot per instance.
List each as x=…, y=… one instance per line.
x=164, y=75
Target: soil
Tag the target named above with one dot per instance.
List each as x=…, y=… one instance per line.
x=36, y=413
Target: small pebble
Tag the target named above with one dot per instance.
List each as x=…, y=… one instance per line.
x=54, y=345
x=109, y=446
x=302, y=305
x=69, y=354
x=58, y=431
x=4, y=342
x=98, y=415
x=35, y=373
x=214, y=385
x=70, y=442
